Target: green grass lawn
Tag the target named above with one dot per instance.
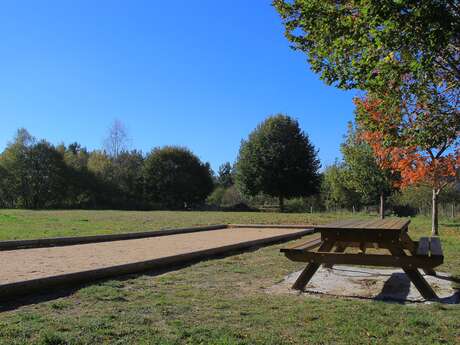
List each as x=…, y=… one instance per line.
x=220, y=301
x=25, y=224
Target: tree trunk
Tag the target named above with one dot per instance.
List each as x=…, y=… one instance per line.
x=281, y=200
x=382, y=206
x=434, y=214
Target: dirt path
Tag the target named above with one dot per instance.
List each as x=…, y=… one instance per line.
x=27, y=264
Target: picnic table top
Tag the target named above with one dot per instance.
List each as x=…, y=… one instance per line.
x=392, y=224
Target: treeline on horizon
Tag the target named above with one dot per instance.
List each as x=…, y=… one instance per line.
x=35, y=174
x=277, y=167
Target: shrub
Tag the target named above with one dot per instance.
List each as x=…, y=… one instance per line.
x=296, y=205
x=215, y=199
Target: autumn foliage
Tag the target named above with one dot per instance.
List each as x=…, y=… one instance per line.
x=392, y=135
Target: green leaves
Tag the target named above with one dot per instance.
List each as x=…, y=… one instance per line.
x=366, y=44
x=176, y=178
x=361, y=170
x=279, y=160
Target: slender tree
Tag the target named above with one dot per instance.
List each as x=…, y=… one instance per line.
x=278, y=160
x=14, y=161
x=363, y=171
x=117, y=139
x=128, y=178
x=335, y=189
x=225, y=175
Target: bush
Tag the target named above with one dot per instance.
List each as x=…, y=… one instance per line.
x=215, y=199
x=232, y=196
x=296, y=205
x=241, y=207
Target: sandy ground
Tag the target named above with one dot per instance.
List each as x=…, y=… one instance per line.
x=369, y=283
x=26, y=264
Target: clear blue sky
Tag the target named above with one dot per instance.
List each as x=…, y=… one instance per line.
x=201, y=74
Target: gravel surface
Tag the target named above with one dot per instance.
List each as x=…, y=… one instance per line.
x=26, y=264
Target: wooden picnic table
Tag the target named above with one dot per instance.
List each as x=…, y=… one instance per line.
x=391, y=234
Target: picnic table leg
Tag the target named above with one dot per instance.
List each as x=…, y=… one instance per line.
x=413, y=250
x=415, y=277
x=311, y=269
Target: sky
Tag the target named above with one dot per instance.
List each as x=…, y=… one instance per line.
x=200, y=74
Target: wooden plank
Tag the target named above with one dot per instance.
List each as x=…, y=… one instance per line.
x=401, y=224
x=394, y=223
x=304, y=245
x=363, y=259
x=358, y=235
x=370, y=224
x=272, y=226
x=435, y=248
x=360, y=227
x=389, y=223
x=70, y=241
x=379, y=224
x=310, y=270
x=362, y=223
x=342, y=224
x=423, y=247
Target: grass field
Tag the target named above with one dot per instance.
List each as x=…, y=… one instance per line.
x=219, y=301
x=24, y=224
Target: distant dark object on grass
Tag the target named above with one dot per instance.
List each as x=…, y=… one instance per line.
x=404, y=211
x=240, y=207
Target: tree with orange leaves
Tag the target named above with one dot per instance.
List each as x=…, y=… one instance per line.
x=407, y=137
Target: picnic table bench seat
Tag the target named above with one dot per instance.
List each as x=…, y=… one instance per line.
x=299, y=246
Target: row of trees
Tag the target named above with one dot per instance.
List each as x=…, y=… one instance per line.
x=276, y=164
x=358, y=182
x=277, y=160
x=355, y=183
x=35, y=174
